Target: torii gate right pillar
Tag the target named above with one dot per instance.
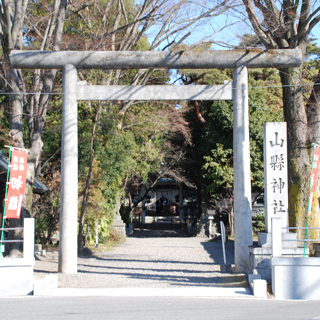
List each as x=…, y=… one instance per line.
x=241, y=166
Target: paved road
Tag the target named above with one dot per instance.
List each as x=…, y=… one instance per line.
x=166, y=264
x=159, y=308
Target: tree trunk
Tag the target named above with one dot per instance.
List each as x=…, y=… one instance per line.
x=298, y=146
x=301, y=132
x=313, y=111
x=231, y=221
x=86, y=235
x=16, y=140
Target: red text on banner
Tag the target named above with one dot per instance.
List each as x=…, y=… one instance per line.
x=17, y=183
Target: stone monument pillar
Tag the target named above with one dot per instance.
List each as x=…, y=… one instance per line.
x=275, y=174
x=276, y=201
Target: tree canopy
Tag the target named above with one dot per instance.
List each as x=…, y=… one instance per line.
x=124, y=145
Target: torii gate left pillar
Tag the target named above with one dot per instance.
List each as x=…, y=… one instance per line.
x=69, y=174
x=241, y=170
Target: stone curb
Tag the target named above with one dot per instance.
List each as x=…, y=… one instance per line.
x=240, y=293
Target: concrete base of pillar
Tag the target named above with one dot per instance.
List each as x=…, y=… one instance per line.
x=16, y=276
x=296, y=278
x=260, y=257
x=45, y=286
x=202, y=227
x=289, y=240
x=119, y=225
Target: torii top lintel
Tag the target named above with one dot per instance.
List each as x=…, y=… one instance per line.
x=287, y=58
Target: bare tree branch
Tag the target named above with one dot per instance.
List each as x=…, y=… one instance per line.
x=305, y=23
x=257, y=26
x=20, y=9
x=313, y=23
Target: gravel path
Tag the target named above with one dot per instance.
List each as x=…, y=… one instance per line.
x=151, y=258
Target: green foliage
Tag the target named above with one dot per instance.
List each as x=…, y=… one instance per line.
x=117, y=163
x=104, y=228
x=218, y=169
x=312, y=53
x=96, y=205
x=95, y=199
x=142, y=45
x=212, y=147
x=46, y=209
x=258, y=224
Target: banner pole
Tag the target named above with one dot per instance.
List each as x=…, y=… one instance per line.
x=309, y=203
x=11, y=148
x=5, y=203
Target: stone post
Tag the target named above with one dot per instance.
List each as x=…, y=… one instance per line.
x=69, y=174
x=181, y=202
x=241, y=165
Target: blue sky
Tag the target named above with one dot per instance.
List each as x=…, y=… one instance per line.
x=228, y=35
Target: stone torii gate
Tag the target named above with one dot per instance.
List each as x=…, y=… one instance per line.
x=70, y=61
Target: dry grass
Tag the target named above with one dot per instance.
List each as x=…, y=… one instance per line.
x=115, y=239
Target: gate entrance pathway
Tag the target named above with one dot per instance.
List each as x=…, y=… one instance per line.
x=152, y=258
